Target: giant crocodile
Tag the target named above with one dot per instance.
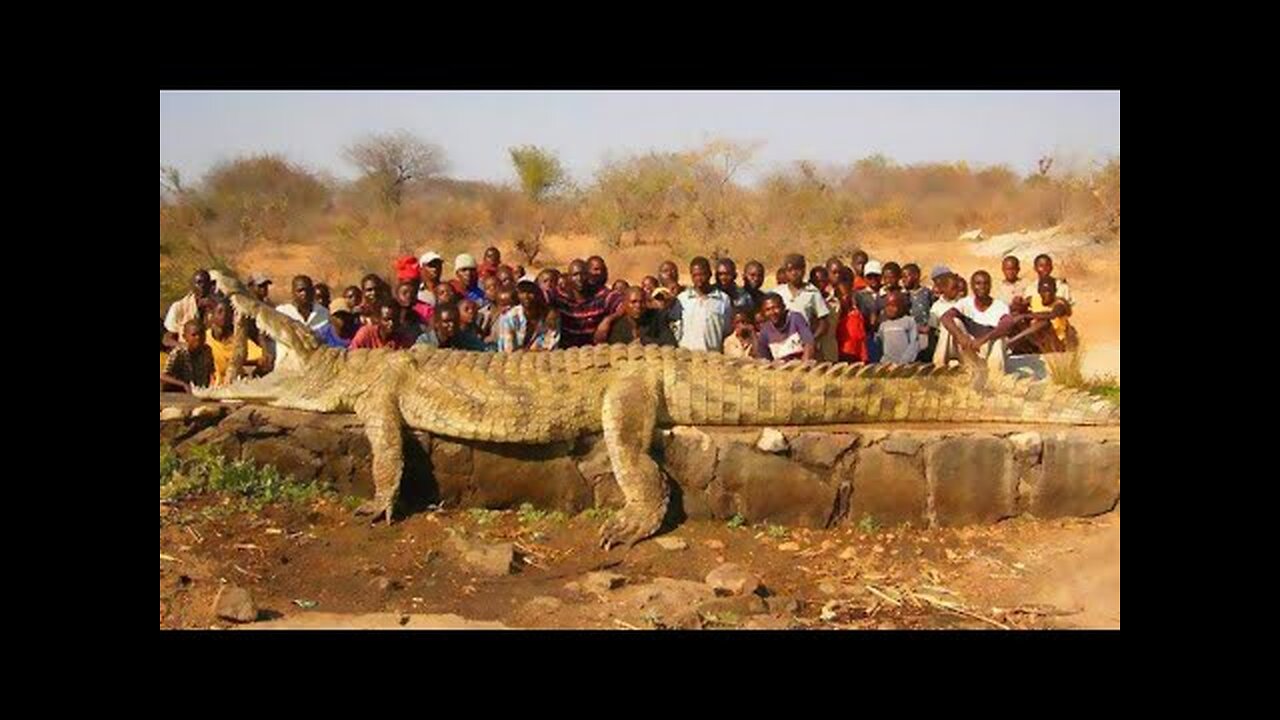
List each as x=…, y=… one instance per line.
x=622, y=391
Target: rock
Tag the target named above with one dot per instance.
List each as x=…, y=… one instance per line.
x=848, y=553
x=871, y=437
x=172, y=413
x=671, y=543
x=789, y=547
x=573, y=586
x=208, y=411
x=595, y=463
x=452, y=457
x=822, y=449
x=602, y=582
x=236, y=604
x=900, y=444
x=288, y=458
x=775, y=489
x=1079, y=477
x=782, y=604
x=887, y=487
x=325, y=442
x=689, y=455
x=666, y=597
x=973, y=480
x=1027, y=446
x=489, y=559
x=738, y=604
x=713, y=544
x=772, y=441
x=733, y=579
x=542, y=605
x=828, y=587
x=767, y=622
x=543, y=475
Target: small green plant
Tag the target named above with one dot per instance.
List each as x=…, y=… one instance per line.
x=736, y=521
x=775, y=531
x=483, y=516
x=727, y=618
x=204, y=471
x=868, y=524
x=1104, y=386
x=595, y=514
x=528, y=514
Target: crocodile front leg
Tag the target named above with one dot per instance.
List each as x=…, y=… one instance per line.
x=382, y=422
x=629, y=414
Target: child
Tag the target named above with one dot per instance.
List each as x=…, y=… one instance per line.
x=1012, y=289
x=892, y=279
x=192, y=363
x=784, y=335
x=387, y=333
x=742, y=341
x=851, y=330
x=503, y=301
x=897, y=333
x=407, y=298
x=867, y=300
x=342, y=328
x=530, y=325
x=1052, y=330
x=1044, y=269
x=353, y=298
x=942, y=349
x=220, y=337
x=921, y=301
x=322, y=295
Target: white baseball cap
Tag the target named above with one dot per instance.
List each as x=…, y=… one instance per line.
x=872, y=268
x=464, y=261
x=429, y=257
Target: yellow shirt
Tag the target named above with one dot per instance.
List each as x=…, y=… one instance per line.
x=222, y=354
x=1060, y=324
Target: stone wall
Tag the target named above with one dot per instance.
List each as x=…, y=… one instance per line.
x=810, y=477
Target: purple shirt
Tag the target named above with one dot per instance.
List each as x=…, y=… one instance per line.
x=787, y=343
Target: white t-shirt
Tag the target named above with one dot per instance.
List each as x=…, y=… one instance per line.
x=808, y=301
x=317, y=321
x=989, y=317
x=939, y=308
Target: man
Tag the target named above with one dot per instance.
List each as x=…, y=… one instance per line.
x=429, y=267
x=753, y=283
x=467, y=280
x=447, y=332
x=704, y=312
x=305, y=310
x=261, y=285
x=726, y=280
x=669, y=277
x=802, y=297
x=581, y=305
x=195, y=305
x=980, y=323
x=597, y=273
x=635, y=322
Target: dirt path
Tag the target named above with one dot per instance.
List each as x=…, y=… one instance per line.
x=301, y=563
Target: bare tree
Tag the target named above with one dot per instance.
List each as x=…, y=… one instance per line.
x=394, y=160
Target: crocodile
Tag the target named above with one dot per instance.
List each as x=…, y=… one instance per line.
x=622, y=391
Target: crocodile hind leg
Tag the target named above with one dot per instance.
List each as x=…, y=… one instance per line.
x=382, y=421
x=629, y=414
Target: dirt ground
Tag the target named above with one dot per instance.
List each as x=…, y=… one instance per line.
x=319, y=567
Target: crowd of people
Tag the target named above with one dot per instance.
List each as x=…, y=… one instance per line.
x=863, y=311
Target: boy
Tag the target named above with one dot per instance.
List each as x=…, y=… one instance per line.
x=898, y=334
x=804, y=298
x=784, y=335
x=504, y=301
x=342, y=328
x=867, y=301
x=669, y=277
x=741, y=343
x=921, y=301
x=322, y=295
x=220, y=337
x=386, y=333
x=531, y=325
x=1012, y=289
x=407, y=298
x=858, y=264
x=1044, y=269
x=705, y=312
x=192, y=363
x=1050, y=328
x=447, y=332
x=943, y=350
x=353, y=298
x=851, y=331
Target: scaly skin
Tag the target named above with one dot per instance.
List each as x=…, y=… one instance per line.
x=623, y=391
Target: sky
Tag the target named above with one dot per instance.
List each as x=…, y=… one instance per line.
x=199, y=129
